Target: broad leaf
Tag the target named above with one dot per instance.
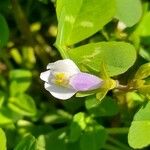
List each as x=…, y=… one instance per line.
x=145, y=90
x=79, y=19
x=101, y=94
x=6, y=116
x=143, y=71
x=56, y=140
x=139, y=133
x=93, y=138
x=27, y=143
x=129, y=11
x=107, y=107
x=78, y=124
x=23, y=104
x=143, y=28
x=2, y=140
x=114, y=54
x=20, y=81
x=145, y=53
x=2, y=98
x=41, y=143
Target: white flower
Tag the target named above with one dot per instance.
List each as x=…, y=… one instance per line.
x=63, y=79
x=121, y=26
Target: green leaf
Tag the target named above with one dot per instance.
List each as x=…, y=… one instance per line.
x=145, y=90
x=107, y=107
x=23, y=104
x=41, y=143
x=143, y=72
x=56, y=140
x=143, y=28
x=6, y=116
x=27, y=143
x=2, y=140
x=145, y=53
x=114, y=54
x=79, y=19
x=78, y=124
x=4, y=31
x=73, y=146
x=129, y=11
x=20, y=81
x=93, y=138
x=75, y=132
x=86, y=93
x=36, y=130
x=133, y=96
x=139, y=132
x=101, y=94
x=2, y=98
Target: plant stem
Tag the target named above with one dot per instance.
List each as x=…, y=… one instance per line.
x=24, y=28
x=62, y=50
x=118, y=143
x=21, y=21
x=110, y=147
x=117, y=130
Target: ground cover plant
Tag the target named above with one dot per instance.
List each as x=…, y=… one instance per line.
x=74, y=74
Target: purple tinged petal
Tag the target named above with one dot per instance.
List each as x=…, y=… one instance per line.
x=85, y=82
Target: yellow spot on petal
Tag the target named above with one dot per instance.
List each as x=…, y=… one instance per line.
x=60, y=79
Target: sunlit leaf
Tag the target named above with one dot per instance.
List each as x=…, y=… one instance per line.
x=145, y=90
x=101, y=94
x=84, y=94
x=2, y=140
x=23, y=104
x=20, y=81
x=129, y=11
x=114, y=54
x=139, y=132
x=27, y=143
x=2, y=98
x=41, y=143
x=6, y=116
x=143, y=28
x=143, y=71
x=79, y=19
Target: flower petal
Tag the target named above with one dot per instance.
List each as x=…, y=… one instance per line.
x=45, y=75
x=85, y=82
x=60, y=92
x=121, y=26
x=65, y=65
x=50, y=65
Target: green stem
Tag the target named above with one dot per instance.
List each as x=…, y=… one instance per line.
x=105, y=34
x=118, y=130
x=118, y=143
x=110, y=147
x=24, y=28
x=62, y=50
x=21, y=21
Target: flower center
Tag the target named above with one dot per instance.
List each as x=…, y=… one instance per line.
x=60, y=79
